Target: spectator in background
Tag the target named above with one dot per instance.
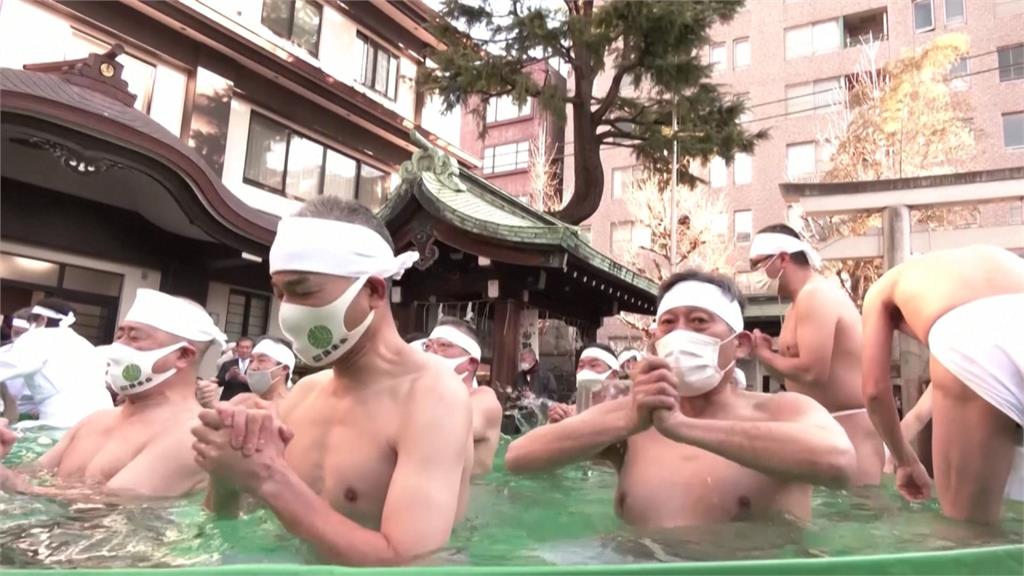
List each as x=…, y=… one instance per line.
x=63, y=372
x=231, y=375
x=533, y=377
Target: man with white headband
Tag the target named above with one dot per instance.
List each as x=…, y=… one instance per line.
x=456, y=343
x=380, y=446
x=691, y=448
x=268, y=373
x=627, y=359
x=61, y=371
x=143, y=446
x=820, y=343
x=967, y=306
x=596, y=363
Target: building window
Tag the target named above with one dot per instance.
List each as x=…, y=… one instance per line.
x=295, y=20
x=1011, y=63
x=1013, y=130
x=719, y=173
x=507, y=157
x=959, y=74
x=717, y=57
x=621, y=180
x=379, y=71
x=800, y=160
x=139, y=75
x=816, y=38
x=741, y=53
x=747, y=115
x=503, y=108
x=811, y=96
x=622, y=240
x=924, y=17
x=247, y=315
x=282, y=161
x=743, y=225
x=865, y=27
x=742, y=168
x=720, y=225
x=955, y=11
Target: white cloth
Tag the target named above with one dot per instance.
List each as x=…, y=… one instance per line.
x=336, y=248
x=277, y=351
x=455, y=336
x=979, y=342
x=66, y=320
x=601, y=355
x=174, y=315
x=696, y=294
x=627, y=355
x=20, y=323
x=773, y=243
x=63, y=372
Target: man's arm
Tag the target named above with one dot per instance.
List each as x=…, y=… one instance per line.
x=879, y=323
x=423, y=496
x=575, y=439
x=799, y=441
x=25, y=357
x=815, y=335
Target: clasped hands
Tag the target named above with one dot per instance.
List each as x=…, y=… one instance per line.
x=241, y=442
x=655, y=395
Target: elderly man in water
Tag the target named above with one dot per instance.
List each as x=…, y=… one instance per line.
x=456, y=343
x=967, y=305
x=690, y=448
x=368, y=460
x=143, y=446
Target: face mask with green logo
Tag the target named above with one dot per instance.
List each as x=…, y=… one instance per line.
x=318, y=333
x=130, y=371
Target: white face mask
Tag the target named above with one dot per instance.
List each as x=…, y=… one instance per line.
x=130, y=371
x=589, y=377
x=318, y=334
x=525, y=366
x=694, y=359
x=453, y=363
x=260, y=380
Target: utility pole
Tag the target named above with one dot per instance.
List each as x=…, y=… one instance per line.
x=673, y=218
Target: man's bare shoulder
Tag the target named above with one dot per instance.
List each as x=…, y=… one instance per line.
x=785, y=406
x=303, y=390
x=823, y=295
x=431, y=378
x=485, y=399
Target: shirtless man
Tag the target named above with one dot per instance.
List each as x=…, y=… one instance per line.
x=820, y=344
x=967, y=306
x=379, y=445
x=456, y=342
x=691, y=448
x=267, y=376
x=596, y=362
x=142, y=447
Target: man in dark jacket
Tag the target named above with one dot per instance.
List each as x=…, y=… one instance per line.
x=532, y=377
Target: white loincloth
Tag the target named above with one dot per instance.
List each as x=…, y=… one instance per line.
x=979, y=342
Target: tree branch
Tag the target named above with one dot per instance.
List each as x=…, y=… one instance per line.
x=612, y=94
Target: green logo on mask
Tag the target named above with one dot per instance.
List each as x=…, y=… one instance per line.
x=131, y=372
x=320, y=337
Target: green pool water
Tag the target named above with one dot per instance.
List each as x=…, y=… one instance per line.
x=556, y=523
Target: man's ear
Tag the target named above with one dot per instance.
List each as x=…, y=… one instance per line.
x=378, y=292
x=744, y=344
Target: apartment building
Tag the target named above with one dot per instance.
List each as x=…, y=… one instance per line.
x=786, y=57
x=242, y=110
x=515, y=134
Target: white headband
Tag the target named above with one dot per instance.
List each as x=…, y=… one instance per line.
x=456, y=337
x=627, y=355
x=175, y=316
x=771, y=244
x=277, y=351
x=335, y=248
x=65, y=320
x=20, y=323
x=699, y=294
x=601, y=355
x=418, y=344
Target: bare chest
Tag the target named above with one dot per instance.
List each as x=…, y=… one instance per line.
x=664, y=484
x=99, y=452
x=788, y=336
x=347, y=457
